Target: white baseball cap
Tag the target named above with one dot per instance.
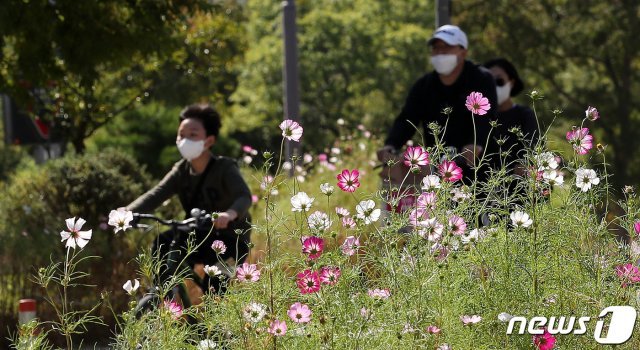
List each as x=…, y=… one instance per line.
x=451, y=35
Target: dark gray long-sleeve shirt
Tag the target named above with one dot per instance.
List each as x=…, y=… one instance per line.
x=429, y=96
x=221, y=190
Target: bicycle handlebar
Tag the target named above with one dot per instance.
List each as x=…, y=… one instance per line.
x=190, y=223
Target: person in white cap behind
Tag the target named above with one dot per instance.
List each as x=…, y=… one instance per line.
x=453, y=79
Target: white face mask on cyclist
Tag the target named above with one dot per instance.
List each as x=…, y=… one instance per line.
x=190, y=149
x=504, y=92
x=444, y=64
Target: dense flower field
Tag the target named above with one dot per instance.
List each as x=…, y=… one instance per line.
x=336, y=264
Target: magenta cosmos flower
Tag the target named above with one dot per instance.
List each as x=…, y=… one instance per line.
x=174, y=308
x=477, y=104
x=544, y=341
x=636, y=227
x=313, y=247
x=291, y=130
x=308, y=282
x=416, y=156
x=277, y=328
x=299, y=313
x=248, y=273
x=592, y=114
x=628, y=273
x=450, y=171
x=580, y=139
x=350, y=245
x=329, y=275
x=348, y=180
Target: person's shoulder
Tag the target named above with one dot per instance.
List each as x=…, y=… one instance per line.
x=224, y=161
x=477, y=70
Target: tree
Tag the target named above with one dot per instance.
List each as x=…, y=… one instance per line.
x=357, y=61
x=80, y=63
x=579, y=53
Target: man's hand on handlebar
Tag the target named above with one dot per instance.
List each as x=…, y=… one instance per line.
x=224, y=218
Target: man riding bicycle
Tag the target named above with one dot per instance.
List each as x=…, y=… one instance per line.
x=208, y=182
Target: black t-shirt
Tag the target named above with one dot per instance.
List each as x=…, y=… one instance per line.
x=520, y=117
x=427, y=99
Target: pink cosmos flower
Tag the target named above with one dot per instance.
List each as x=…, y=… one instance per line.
x=580, y=139
x=477, y=104
x=313, y=247
x=308, y=282
x=348, y=180
x=291, y=130
x=74, y=236
x=277, y=328
x=380, y=294
x=350, y=245
x=430, y=229
x=636, y=227
x=433, y=330
x=348, y=222
x=628, y=273
x=426, y=200
x=329, y=275
x=450, y=171
x=174, y=308
x=219, y=247
x=248, y=273
x=416, y=156
x=417, y=215
x=592, y=114
x=470, y=319
x=299, y=313
x=457, y=225
x=322, y=157
x=544, y=341
x=342, y=212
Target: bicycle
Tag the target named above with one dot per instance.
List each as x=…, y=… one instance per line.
x=190, y=289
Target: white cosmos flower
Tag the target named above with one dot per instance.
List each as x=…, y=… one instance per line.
x=520, y=219
x=254, y=312
x=301, y=202
x=212, y=270
x=553, y=177
x=504, y=317
x=326, y=188
x=74, y=236
x=430, y=182
x=585, y=178
x=131, y=287
x=319, y=221
x=207, y=344
x=120, y=219
x=546, y=161
x=367, y=212
x=474, y=235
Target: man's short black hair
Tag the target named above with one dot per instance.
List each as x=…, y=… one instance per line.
x=511, y=72
x=206, y=114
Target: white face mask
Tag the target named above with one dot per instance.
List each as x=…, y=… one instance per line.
x=190, y=149
x=504, y=92
x=444, y=64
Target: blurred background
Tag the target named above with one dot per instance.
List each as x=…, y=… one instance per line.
x=91, y=92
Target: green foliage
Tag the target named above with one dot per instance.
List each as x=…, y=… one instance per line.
x=34, y=206
x=117, y=55
x=579, y=53
x=357, y=60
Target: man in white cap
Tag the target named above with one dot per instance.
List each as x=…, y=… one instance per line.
x=448, y=86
